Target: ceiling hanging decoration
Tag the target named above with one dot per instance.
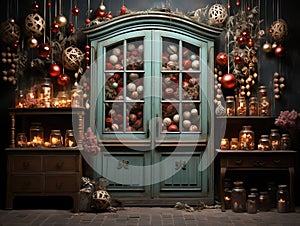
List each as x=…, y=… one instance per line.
x=244, y=35
x=217, y=14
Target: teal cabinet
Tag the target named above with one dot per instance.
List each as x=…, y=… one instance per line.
x=152, y=107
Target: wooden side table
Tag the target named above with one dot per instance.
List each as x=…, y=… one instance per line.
x=256, y=160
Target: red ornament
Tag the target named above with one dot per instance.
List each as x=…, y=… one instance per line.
x=246, y=33
x=242, y=40
x=237, y=3
x=238, y=59
x=172, y=128
x=248, y=8
x=63, y=79
x=250, y=42
x=87, y=20
x=35, y=6
x=75, y=11
x=54, y=70
x=109, y=16
x=49, y=4
x=222, y=59
x=55, y=27
x=87, y=48
x=100, y=13
x=123, y=10
x=44, y=50
x=228, y=81
x=279, y=51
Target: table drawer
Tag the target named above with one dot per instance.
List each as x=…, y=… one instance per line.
x=30, y=163
x=62, y=183
x=61, y=163
x=27, y=183
x=259, y=162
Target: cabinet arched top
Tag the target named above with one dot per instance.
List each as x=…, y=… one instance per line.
x=150, y=20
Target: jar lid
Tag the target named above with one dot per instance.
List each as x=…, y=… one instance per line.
x=253, y=98
x=251, y=196
x=235, y=139
x=238, y=183
x=282, y=186
x=253, y=189
x=229, y=97
x=264, y=136
x=55, y=131
x=285, y=135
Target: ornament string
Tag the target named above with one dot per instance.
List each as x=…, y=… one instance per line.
x=228, y=40
x=45, y=15
x=88, y=8
x=50, y=32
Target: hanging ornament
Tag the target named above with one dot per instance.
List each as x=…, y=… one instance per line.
x=71, y=27
x=54, y=70
x=72, y=57
x=242, y=40
x=35, y=6
x=250, y=42
x=32, y=42
x=63, y=79
x=109, y=15
x=279, y=30
x=100, y=14
x=222, y=59
x=267, y=47
x=61, y=20
x=9, y=31
x=238, y=59
x=44, y=50
x=279, y=51
x=102, y=7
x=228, y=81
x=35, y=24
x=217, y=14
x=55, y=27
x=237, y=3
x=75, y=11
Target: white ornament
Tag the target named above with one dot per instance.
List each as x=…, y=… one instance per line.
x=172, y=49
x=131, y=87
x=113, y=59
x=116, y=51
x=194, y=112
x=217, y=13
x=195, y=64
x=140, y=89
x=186, y=124
x=130, y=47
x=167, y=121
x=220, y=110
x=186, y=115
x=176, y=118
x=174, y=57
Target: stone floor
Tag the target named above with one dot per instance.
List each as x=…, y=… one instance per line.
x=143, y=216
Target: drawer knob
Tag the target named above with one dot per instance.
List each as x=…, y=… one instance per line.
x=26, y=165
x=238, y=162
x=59, y=165
x=276, y=161
x=259, y=163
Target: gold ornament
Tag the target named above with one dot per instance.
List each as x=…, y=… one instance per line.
x=35, y=24
x=267, y=47
x=72, y=57
x=9, y=31
x=279, y=30
x=61, y=20
x=32, y=42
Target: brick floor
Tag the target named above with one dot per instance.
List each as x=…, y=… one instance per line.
x=143, y=216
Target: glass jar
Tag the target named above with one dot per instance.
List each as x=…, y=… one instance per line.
x=77, y=97
x=224, y=144
x=264, y=201
x=70, y=140
x=241, y=106
x=251, y=204
x=56, y=139
x=283, y=199
x=264, y=107
x=234, y=143
x=45, y=93
x=272, y=190
x=285, y=142
x=20, y=99
x=238, y=197
x=263, y=91
x=227, y=193
x=21, y=140
x=63, y=99
x=275, y=139
x=246, y=137
x=264, y=143
x=253, y=106
x=36, y=135
x=230, y=106
x=254, y=191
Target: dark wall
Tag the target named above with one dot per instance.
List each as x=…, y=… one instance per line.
x=287, y=65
